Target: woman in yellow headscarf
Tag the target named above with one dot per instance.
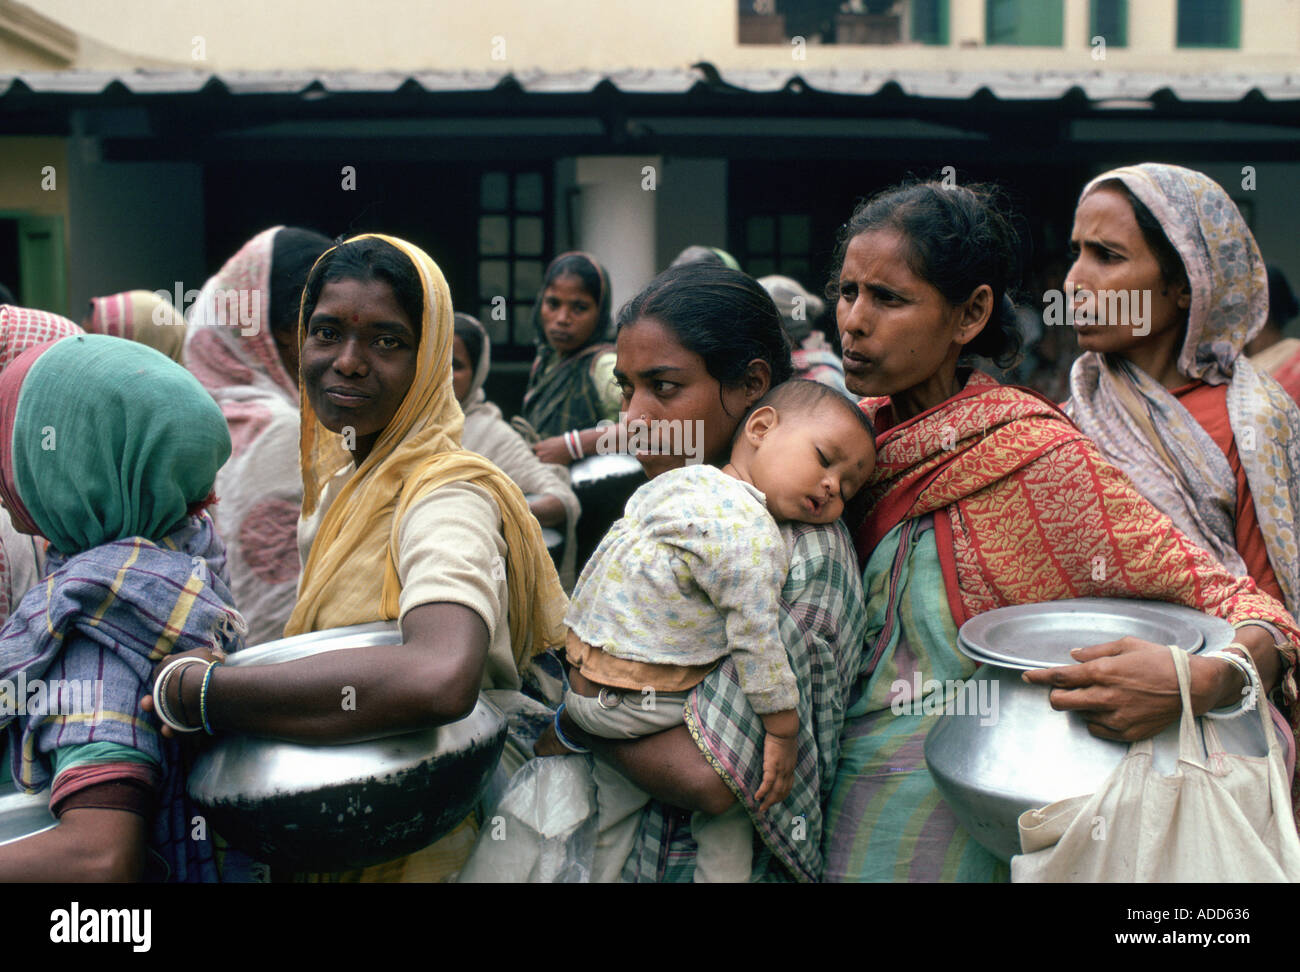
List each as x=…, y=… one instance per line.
x=399, y=523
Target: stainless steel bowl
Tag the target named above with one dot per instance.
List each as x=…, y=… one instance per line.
x=24, y=815
x=1043, y=635
x=1029, y=754
x=333, y=808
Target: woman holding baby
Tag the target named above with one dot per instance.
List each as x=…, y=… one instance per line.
x=704, y=344
x=986, y=496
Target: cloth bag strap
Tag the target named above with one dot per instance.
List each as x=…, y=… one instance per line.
x=1187, y=739
x=1188, y=743
x=1261, y=708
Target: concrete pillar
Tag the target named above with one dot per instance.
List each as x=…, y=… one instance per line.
x=617, y=218
x=967, y=23
x=1153, y=26
x=1077, y=35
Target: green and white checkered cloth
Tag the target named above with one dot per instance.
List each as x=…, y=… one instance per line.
x=823, y=625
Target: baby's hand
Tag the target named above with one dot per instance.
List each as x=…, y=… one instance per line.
x=778, y=770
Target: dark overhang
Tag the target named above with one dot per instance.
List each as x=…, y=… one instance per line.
x=699, y=110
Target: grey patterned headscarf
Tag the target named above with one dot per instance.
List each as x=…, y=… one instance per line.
x=1146, y=431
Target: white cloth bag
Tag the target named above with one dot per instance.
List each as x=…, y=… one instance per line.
x=543, y=830
x=1225, y=819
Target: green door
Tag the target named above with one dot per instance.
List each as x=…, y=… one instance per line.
x=42, y=274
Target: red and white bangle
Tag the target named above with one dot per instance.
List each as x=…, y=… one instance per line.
x=573, y=443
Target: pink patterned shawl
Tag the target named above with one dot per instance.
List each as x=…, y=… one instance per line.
x=260, y=488
x=140, y=315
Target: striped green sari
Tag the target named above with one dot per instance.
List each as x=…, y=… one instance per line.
x=886, y=821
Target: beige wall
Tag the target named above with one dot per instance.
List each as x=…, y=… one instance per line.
x=410, y=35
x=21, y=176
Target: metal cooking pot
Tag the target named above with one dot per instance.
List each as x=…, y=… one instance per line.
x=1028, y=754
x=24, y=815
x=334, y=808
x=594, y=472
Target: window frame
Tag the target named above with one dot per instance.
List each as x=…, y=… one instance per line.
x=1231, y=43
x=1057, y=22
x=779, y=257
x=1095, y=30
x=506, y=347
x=940, y=37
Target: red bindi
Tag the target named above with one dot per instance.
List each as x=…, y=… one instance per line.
x=355, y=318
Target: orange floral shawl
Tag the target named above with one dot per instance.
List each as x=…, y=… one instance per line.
x=1034, y=513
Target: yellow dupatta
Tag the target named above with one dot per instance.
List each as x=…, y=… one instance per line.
x=350, y=576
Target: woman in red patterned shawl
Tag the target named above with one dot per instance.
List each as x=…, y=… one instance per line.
x=986, y=496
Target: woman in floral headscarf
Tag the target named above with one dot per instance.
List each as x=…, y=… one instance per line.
x=1170, y=397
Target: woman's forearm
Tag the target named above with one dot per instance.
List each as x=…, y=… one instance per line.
x=558, y=450
x=1259, y=642
x=590, y=439
x=1217, y=685
x=356, y=694
x=548, y=510
x=88, y=845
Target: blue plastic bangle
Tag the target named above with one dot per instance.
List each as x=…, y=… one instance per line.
x=565, y=741
x=203, y=698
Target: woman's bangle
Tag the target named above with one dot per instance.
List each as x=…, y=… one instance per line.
x=1279, y=639
x=160, y=686
x=184, y=714
x=565, y=741
x=203, y=698
x=1245, y=664
x=573, y=442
